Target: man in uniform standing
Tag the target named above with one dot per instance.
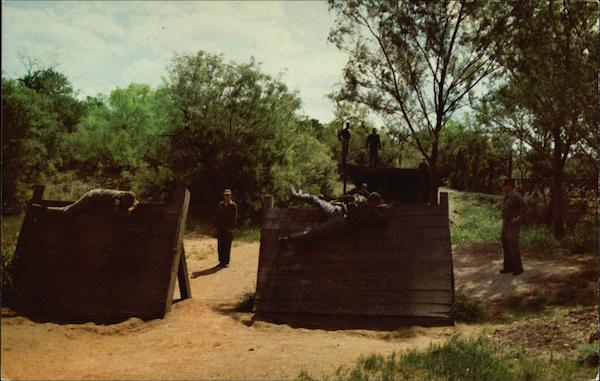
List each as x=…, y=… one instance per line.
x=225, y=222
x=374, y=144
x=512, y=210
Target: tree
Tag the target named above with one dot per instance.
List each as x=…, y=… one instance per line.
x=417, y=60
x=120, y=132
x=547, y=100
x=234, y=127
x=59, y=91
x=31, y=137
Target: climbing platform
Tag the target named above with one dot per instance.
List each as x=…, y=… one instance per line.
x=380, y=277
x=402, y=185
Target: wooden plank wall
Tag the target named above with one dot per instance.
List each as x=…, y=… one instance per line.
x=97, y=266
x=401, y=272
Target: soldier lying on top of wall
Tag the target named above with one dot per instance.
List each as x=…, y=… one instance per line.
x=348, y=212
x=123, y=202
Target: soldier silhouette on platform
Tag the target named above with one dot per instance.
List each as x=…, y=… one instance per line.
x=344, y=136
x=373, y=144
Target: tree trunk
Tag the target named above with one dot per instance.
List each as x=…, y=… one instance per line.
x=556, y=189
x=433, y=175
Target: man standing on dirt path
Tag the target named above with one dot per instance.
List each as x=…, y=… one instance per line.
x=225, y=222
x=512, y=210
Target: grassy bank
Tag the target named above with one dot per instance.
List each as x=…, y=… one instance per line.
x=476, y=218
x=460, y=359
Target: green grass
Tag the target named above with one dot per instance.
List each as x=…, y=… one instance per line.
x=478, y=220
x=459, y=359
x=465, y=308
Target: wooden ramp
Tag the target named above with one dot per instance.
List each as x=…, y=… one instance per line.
x=96, y=266
x=380, y=277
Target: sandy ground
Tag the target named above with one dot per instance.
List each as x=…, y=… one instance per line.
x=202, y=338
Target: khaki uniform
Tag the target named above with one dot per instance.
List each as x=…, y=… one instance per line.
x=226, y=221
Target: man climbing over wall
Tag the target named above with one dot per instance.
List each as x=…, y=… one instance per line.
x=513, y=207
x=348, y=212
x=374, y=145
x=122, y=202
x=226, y=221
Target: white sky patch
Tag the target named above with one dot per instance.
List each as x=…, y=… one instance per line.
x=103, y=45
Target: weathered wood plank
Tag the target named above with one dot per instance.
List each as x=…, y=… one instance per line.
x=401, y=269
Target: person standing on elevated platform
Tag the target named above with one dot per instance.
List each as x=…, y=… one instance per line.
x=123, y=202
x=374, y=145
x=350, y=211
x=344, y=136
x=226, y=221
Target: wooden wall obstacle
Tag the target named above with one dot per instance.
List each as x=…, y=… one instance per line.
x=98, y=266
x=379, y=277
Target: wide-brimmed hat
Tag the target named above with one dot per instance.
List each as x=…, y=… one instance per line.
x=227, y=191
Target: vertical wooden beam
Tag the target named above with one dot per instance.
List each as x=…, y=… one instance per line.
x=19, y=260
x=444, y=202
x=268, y=203
x=182, y=276
x=180, y=203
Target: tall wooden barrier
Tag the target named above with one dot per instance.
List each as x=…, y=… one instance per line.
x=98, y=266
x=375, y=278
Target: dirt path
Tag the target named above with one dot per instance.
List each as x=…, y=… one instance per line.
x=203, y=339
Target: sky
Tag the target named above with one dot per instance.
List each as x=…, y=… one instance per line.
x=102, y=45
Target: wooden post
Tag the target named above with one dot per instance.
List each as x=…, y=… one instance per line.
x=37, y=197
x=444, y=202
x=268, y=203
x=180, y=204
x=182, y=276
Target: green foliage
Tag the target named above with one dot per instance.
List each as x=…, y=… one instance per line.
x=458, y=359
x=478, y=218
x=588, y=354
x=118, y=135
x=31, y=136
x=416, y=61
x=235, y=127
x=465, y=308
x=545, y=97
x=471, y=158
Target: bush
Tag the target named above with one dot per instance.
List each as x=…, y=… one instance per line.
x=465, y=308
